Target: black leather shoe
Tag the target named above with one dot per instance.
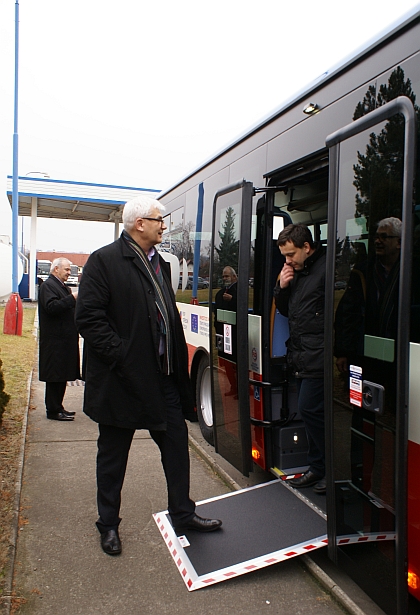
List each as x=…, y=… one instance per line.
x=59, y=416
x=67, y=412
x=111, y=543
x=321, y=487
x=306, y=480
x=200, y=525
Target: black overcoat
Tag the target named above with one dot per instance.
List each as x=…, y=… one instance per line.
x=58, y=338
x=116, y=315
x=302, y=302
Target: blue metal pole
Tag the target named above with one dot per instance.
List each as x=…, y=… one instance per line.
x=197, y=242
x=15, y=192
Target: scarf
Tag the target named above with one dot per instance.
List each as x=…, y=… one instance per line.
x=156, y=278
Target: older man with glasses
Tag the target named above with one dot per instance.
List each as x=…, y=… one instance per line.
x=370, y=303
x=137, y=367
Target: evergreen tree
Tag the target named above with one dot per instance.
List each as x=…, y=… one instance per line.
x=228, y=250
x=378, y=175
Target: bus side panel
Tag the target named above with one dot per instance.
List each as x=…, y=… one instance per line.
x=413, y=471
x=196, y=324
x=413, y=518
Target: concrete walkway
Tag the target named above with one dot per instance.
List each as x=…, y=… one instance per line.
x=60, y=568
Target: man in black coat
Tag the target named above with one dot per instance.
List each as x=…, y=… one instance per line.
x=58, y=339
x=226, y=299
x=300, y=296
x=136, y=366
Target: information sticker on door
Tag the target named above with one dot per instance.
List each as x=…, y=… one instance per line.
x=355, y=385
x=227, y=339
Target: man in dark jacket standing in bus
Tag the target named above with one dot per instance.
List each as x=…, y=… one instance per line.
x=58, y=339
x=136, y=367
x=299, y=295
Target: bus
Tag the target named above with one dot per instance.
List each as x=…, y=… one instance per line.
x=339, y=157
x=73, y=279
x=43, y=268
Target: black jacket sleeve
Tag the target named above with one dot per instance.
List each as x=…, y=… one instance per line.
x=52, y=302
x=281, y=299
x=92, y=320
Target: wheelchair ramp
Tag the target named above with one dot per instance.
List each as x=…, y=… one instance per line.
x=262, y=525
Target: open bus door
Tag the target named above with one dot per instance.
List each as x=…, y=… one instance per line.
x=368, y=305
x=230, y=255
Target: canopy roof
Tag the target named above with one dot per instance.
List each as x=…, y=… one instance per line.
x=74, y=200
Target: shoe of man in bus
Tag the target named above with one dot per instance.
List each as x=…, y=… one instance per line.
x=321, y=487
x=307, y=479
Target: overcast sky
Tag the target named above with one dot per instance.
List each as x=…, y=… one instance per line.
x=139, y=93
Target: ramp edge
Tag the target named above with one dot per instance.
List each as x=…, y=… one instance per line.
x=193, y=581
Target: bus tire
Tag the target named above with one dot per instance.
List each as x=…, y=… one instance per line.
x=203, y=398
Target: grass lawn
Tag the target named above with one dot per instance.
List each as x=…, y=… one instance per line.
x=17, y=354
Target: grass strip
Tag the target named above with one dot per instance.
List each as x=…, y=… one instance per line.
x=17, y=354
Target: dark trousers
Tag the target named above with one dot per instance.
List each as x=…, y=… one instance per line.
x=54, y=395
x=113, y=448
x=311, y=407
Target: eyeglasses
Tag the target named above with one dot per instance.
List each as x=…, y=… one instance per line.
x=160, y=220
x=384, y=236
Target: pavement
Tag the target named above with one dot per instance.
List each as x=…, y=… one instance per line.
x=60, y=569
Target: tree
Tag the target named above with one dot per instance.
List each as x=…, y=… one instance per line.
x=181, y=243
x=378, y=176
x=228, y=250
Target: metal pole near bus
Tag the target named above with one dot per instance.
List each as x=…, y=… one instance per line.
x=14, y=311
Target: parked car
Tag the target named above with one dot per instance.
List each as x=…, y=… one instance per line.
x=340, y=285
x=201, y=283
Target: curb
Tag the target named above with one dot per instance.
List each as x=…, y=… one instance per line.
x=330, y=585
x=8, y=579
x=324, y=579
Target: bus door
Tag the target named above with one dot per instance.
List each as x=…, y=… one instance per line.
x=229, y=296
x=271, y=422
x=297, y=193
x=367, y=343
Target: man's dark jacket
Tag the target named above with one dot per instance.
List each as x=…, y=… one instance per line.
x=303, y=304
x=117, y=317
x=58, y=337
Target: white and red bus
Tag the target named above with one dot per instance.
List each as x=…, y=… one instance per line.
x=339, y=157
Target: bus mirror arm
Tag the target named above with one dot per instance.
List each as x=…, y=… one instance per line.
x=270, y=188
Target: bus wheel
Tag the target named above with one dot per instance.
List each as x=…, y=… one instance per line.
x=203, y=397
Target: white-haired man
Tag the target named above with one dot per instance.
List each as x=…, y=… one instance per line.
x=137, y=366
x=58, y=339
x=370, y=303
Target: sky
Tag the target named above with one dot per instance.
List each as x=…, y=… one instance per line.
x=138, y=93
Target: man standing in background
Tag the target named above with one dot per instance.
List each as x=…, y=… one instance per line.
x=58, y=339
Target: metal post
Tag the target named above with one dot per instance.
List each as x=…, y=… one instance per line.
x=15, y=193
x=32, y=254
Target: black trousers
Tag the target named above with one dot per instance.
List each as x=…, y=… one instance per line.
x=54, y=395
x=113, y=448
x=311, y=406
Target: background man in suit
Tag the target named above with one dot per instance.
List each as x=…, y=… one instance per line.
x=136, y=367
x=226, y=299
x=58, y=339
